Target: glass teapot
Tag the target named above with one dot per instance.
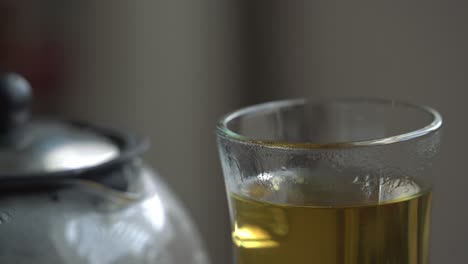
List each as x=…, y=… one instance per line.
x=74, y=193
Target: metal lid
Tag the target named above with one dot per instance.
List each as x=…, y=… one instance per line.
x=45, y=148
x=48, y=147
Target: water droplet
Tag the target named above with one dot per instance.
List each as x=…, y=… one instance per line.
x=300, y=179
x=4, y=217
x=276, y=183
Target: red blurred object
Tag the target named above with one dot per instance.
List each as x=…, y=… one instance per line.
x=40, y=63
x=38, y=57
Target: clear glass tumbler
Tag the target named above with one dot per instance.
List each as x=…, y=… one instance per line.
x=343, y=181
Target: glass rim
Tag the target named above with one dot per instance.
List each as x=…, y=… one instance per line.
x=223, y=130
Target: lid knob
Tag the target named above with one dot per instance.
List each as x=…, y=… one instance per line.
x=15, y=99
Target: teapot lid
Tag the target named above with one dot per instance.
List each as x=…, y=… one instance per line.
x=50, y=149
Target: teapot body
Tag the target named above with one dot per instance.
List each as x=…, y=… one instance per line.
x=85, y=222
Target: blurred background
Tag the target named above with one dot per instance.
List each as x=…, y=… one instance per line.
x=168, y=69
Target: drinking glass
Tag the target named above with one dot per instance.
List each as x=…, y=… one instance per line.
x=341, y=181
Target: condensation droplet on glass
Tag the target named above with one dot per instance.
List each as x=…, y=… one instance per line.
x=300, y=179
x=4, y=217
x=276, y=183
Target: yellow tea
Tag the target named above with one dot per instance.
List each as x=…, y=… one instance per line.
x=311, y=230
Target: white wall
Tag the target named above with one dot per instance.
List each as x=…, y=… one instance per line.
x=409, y=50
x=160, y=69
x=167, y=69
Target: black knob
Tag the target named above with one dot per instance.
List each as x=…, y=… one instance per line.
x=15, y=99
